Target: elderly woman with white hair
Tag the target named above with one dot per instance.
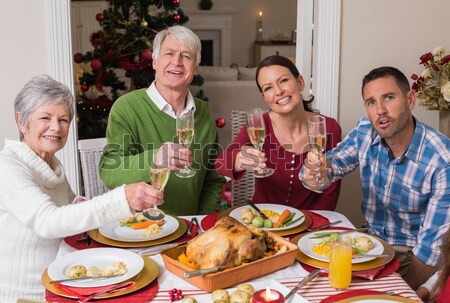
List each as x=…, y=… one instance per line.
x=36, y=201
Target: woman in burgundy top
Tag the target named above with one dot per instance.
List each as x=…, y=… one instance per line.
x=286, y=142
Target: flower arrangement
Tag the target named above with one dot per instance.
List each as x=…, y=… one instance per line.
x=432, y=87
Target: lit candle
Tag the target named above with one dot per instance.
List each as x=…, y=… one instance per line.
x=260, y=16
x=267, y=296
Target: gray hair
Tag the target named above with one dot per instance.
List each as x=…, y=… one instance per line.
x=182, y=34
x=41, y=90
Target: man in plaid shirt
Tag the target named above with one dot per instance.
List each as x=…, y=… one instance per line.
x=405, y=174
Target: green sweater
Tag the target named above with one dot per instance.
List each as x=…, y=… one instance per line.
x=135, y=127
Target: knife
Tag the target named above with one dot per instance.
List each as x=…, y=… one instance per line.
x=261, y=214
x=83, y=278
x=302, y=283
x=160, y=248
x=326, y=225
x=368, y=256
x=204, y=271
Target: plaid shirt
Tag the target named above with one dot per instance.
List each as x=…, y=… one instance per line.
x=406, y=201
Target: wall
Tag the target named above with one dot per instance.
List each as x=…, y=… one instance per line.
x=23, y=32
x=244, y=22
x=376, y=33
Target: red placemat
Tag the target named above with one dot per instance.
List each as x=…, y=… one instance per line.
x=349, y=294
x=370, y=274
x=72, y=240
x=141, y=296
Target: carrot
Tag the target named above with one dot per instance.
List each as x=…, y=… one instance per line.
x=183, y=259
x=145, y=224
x=284, y=215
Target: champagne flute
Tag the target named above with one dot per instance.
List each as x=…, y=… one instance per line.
x=185, y=134
x=256, y=130
x=317, y=141
x=159, y=175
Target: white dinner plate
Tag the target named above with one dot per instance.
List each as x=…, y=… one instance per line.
x=258, y=286
x=126, y=234
x=236, y=213
x=99, y=257
x=305, y=245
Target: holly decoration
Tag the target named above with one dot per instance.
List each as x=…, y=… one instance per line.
x=220, y=122
x=175, y=294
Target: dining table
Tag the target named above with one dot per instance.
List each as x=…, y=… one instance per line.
x=316, y=291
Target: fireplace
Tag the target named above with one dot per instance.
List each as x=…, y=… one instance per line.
x=214, y=30
x=210, y=47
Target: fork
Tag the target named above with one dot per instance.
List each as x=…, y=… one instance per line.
x=188, y=231
x=199, y=228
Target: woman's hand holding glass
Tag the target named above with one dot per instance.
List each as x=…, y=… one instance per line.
x=142, y=196
x=256, y=130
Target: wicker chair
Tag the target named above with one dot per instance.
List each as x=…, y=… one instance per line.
x=90, y=151
x=242, y=189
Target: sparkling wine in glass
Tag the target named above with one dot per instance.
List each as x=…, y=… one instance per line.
x=256, y=130
x=185, y=134
x=159, y=175
x=317, y=140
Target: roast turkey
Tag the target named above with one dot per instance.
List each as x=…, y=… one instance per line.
x=227, y=243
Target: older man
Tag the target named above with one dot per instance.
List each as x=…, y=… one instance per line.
x=145, y=119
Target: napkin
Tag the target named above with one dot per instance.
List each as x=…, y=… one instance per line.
x=72, y=241
x=369, y=274
x=141, y=296
x=350, y=293
x=209, y=220
x=378, y=272
x=317, y=220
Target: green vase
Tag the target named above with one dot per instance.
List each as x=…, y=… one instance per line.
x=205, y=4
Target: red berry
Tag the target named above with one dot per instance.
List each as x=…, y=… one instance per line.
x=179, y=292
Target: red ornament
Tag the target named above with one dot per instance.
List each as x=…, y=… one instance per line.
x=78, y=58
x=176, y=2
x=100, y=17
x=84, y=87
x=146, y=55
x=220, y=122
x=176, y=17
x=96, y=64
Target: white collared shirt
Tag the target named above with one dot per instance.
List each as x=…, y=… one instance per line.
x=163, y=105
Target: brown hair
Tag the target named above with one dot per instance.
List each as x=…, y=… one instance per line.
x=285, y=62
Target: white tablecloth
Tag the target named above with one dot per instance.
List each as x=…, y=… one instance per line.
x=290, y=276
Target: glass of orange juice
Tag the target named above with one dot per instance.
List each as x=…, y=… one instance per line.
x=340, y=266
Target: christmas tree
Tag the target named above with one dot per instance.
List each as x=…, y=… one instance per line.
x=121, y=59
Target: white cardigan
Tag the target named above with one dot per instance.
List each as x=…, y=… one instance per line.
x=36, y=213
